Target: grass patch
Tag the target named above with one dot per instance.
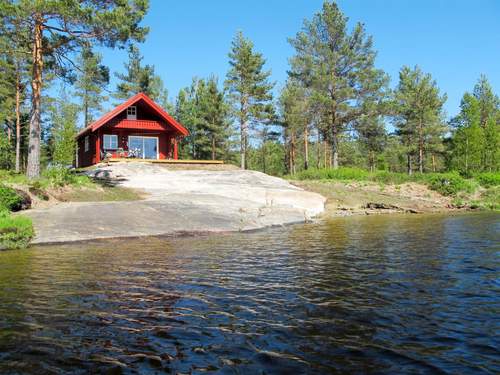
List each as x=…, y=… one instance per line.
x=9, y=199
x=16, y=232
x=448, y=184
x=488, y=179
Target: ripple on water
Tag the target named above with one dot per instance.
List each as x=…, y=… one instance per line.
x=376, y=294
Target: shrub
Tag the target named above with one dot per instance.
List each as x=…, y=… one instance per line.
x=488, y=179
x=60, y=176
x=391, y=177
x=344, y=173
x=10, y=199
x=15, y=231
x=448, y=183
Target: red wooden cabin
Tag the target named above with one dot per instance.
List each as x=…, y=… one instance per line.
x=137, y=128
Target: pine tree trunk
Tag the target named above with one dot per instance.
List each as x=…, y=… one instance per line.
x=318, y=144
x=306, y=148
x=372, y=161
x=420, y=147
x=18, y=119
x=244, y=132
x=264, y=157
x=292, y=153
x=213, y=147
x=86, y=109
x=433, y=162
x=409, y=164
x=325, y=148
x=335, y=144
x=33, y=168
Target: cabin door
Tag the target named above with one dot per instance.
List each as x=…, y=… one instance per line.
x=147, y=146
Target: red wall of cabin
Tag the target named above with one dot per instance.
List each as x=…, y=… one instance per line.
x=165, y=144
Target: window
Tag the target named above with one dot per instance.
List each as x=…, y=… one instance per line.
x=86, y=143
x=110, y=141
x=132, y=113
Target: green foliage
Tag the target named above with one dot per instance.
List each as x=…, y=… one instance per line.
x=202, y=108
x=15, y=231
x=10, y=199
x=59, y=176
x=337, y=67
x=92, y=79
x=449, y=183
x=6, y=152
x=139, y=78
x=444, y=183
x=490, y=198
x=476, y=137
x=64, y=115
x=488, y=179
x=418, y=105
x=343, y=173
x=249, y=89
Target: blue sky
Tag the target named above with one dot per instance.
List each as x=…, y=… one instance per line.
x=454, y=40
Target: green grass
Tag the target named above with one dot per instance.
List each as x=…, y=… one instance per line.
x=488, y=179
x=449, y=184
x=10, y=199
x=16, y=232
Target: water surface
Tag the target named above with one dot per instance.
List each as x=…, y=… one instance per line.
x=387, y=294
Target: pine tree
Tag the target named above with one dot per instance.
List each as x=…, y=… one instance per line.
x=419, y=106
x=92, y=79
x=249, y=89
x=295, y=120
x=138, y=78
x=203, y=110
x=58, y=29
x=372, y=135
x=338, y=68
x=214, y=113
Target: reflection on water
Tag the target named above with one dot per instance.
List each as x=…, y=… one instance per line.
x=363, y=294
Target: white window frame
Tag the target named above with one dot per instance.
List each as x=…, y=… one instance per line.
x=110, y=145
x=86, y=143
x=141, y=136
x=132, y=113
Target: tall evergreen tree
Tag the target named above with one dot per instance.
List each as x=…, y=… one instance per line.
x=203, y=110
x=92, y=79
x=58, y=28
x=214, y=114
x=138, y=78
x=418, y=108
x=338, y=68
x=295, y=120
x=372, y=135
x=249, y=89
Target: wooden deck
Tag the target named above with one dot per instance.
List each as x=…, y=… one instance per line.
x=165, y=161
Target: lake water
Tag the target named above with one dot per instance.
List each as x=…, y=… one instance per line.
x=375, y=294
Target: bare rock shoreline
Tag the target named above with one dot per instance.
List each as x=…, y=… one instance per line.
x=178, y=201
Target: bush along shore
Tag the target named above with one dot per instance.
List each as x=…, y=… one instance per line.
x=17, y=193
x=357, y=188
